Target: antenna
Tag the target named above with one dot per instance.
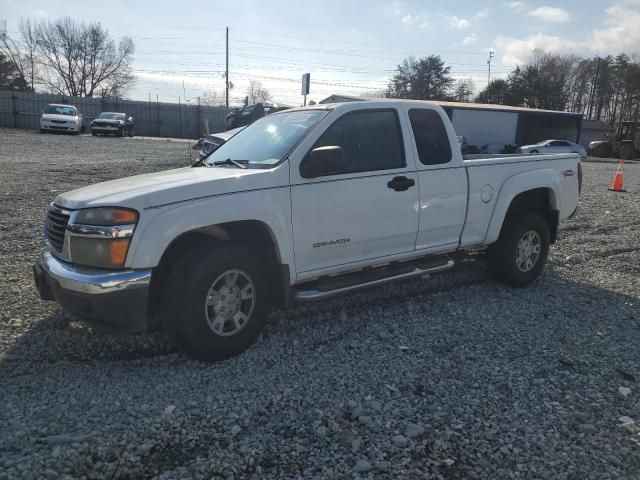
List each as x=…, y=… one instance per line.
x=489, y=66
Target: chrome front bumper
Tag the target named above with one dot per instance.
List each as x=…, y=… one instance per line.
x=116, y=300
x=92, y=281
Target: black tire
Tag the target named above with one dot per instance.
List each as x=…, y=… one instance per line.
x=183, y=307
x=42, y=130
x=503, y=254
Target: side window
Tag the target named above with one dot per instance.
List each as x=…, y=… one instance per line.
x=431, y=137
x=371, y=140
x=559, y=143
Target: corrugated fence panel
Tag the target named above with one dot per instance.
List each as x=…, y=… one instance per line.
x=23, y=110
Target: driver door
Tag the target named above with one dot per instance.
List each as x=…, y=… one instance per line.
x=369, y=210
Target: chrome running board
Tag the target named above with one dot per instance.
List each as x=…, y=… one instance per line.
x=329, y=287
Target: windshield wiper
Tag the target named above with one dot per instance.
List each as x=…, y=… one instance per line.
x=230, y=161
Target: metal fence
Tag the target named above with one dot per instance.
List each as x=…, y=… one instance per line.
x=152, y=118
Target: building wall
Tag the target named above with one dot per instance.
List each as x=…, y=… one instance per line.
x=535, y=128
x=593, y=130
x=23, y=110
x=483, y=127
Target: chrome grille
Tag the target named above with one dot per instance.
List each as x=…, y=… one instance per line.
x=56, y=225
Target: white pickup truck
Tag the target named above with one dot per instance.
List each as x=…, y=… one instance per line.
x=301, y=205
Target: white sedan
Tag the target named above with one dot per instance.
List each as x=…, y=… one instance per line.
x=61, y=118
x=555, y=146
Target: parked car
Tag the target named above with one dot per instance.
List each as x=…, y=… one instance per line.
x=61, y=118
x=250, y=113
x=301, y=205
x=210, y=143
x=600, y=148
x=555, y=146
x=244, y=116
x=112, y=123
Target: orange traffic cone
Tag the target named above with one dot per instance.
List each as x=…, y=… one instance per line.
x=618, y=181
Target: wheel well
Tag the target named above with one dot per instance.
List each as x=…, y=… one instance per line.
x=538, y=200
x=255, y=234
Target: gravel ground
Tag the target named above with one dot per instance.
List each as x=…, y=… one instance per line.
x=452, y=377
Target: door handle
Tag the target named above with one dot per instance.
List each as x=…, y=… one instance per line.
x=401, y=184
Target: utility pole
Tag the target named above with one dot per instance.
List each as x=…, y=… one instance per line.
x=226, y=74
x=489, y=66
x=592, y=95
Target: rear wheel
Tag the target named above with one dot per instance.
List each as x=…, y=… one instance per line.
x=216, y=301
x=518, y=257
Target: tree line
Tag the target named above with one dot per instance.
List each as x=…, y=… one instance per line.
x=602, y=88
x=66, y=57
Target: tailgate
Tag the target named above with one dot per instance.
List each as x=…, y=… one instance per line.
x=569, y=186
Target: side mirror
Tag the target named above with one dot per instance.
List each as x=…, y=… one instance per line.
x=322, y=161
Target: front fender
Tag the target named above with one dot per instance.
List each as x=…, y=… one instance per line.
x=544, y=178
x=269, y=206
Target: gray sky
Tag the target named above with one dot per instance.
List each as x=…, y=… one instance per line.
x=348, y=46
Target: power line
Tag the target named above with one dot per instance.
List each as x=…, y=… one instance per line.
x=344, y=42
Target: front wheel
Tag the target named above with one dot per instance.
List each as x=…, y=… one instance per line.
x=518, y=257
x=216, y=301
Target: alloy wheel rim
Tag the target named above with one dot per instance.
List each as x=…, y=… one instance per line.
x=230, y=302
x=528, y=251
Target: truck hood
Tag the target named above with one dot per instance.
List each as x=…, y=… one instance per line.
x=171, y=186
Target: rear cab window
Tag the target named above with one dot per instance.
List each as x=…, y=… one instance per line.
x=371, y=140
x=432, y=140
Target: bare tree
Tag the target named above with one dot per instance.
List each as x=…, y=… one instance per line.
x=257, y=93
x=463, y=90
x=8, y=73
x=22, y=54
x=82, y=60
x=212, y=98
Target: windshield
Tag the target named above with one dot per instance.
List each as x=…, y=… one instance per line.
x=111, y=116
x=60, y=110
x=267, y=141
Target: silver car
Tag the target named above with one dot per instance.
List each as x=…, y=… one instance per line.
x=212, y=142
x=555, y=146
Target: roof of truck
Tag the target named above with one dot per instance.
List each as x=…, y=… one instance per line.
x=337, y=99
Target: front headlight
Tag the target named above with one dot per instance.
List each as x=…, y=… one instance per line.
x=106, y=216
x=100, y=237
